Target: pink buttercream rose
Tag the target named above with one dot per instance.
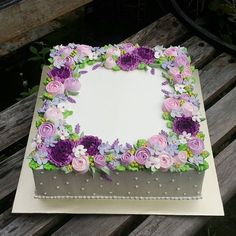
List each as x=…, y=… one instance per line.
x=181, y=158
x=196, y=145
x=128, y=47
x=189, y=109
x=85, y=51
x=170, y=104
x=177, y=76
x=80, y=164
x=72, y=85
x=185, y=96
x=171, y=51
x=99, y=161
x=141, y=155
x=55, y=87
x=165, y=161
x=46, y=130
x=109, y=63
x=187, y=72
x=182, y=60
x=159, y=140
x=53, y=114
x=127, y=158
x=113, y=51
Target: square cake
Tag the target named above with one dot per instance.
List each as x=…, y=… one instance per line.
x=119, y=122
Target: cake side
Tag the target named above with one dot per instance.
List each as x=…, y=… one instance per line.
x=125, y=185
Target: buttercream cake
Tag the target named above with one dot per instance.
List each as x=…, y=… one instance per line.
x=119, y=121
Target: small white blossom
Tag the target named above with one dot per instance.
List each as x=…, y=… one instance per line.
x=63, y=133
x=184, y=137
x=159, y=50
x=79, y=150
x=153, y=163
x=180, y=88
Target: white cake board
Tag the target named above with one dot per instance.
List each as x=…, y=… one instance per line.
x=210, y=204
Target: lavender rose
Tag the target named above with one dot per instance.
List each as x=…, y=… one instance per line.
x=128, y=62
x=109, y=63
x=113, y=51
x=72, y=85
x=55, y=87
x=61, y=154
x=144, y=54
x=46, y=130
x=186, y=124
x=90, y=143
x=127, y=47
x=165, y=161
x=99, y=161
x=177, y=76
x=85, y=51
x=181, y=158
x=171, y=51
x=170, y=104
x=182, y=60
x=189, y=109
x=196, y=145
x=187, y=72
x=127, y=158
x=80, y=164
x=159, y=140
x=53, y=114
x=141, y=155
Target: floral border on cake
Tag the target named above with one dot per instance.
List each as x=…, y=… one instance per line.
x=58, y=145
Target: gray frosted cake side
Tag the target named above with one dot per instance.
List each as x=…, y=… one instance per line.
x=124, y=185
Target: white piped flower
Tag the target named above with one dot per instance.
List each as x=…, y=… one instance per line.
x=153, y=163
x=180, y=88
x=183, y=138
x=79, y=150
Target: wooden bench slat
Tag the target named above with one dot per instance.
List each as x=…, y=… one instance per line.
x=15, y=121
x=23, y=15
x=184, y=226
x=217, y=76
x=164, y=31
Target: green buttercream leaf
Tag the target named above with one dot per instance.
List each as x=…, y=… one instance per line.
x=205, y=154
x=116, y=68
x=33, y=165
x=93, y=170
x=69, y=128
x=91, y=62
x=74, y=136
x=106, y=170
x=50, y=60
x=120, y=168
x=67, y=113
x=154, y=65
x=169, y=124
x=184, y=168
x=38, y=123
x=141, y=143
x=49, y=166
x=201, y=135
x=115, y=57
x=182, y=147
x=166, y=116
x=82, y=65
x=203, y=167
x=142, y=66
x=47, y=96
x=202, y=119
x=131, y=168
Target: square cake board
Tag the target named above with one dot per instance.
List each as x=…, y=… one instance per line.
x=210, y=204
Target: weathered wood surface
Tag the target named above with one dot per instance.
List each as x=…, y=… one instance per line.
x=21, y=17
x=159, y=33
x=15, y=121
x=184, y=226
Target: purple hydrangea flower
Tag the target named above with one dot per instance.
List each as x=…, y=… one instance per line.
x=46, y=105
x=41, y=157
x=60, y=154
x=196, y=159
x=172, y=149
x=105, y=148
x=60, y=74
x=50, y=141
x=186, y=124
x=128, y=62
x=144, y=54
x=167, y=64
x=90, y=143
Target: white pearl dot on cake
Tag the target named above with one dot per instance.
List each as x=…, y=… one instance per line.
x=148, y=182
x=94, y=194
x=45, y=193
x=136, y=186
x=165, y=193
x=172, y=180
x=87, y=180
x=156, y=179
x=101, y=178
x=148, y=192
x=198, y=193
x=160, y=185
x=58, y=187
x=117, y=173
x=68, y=193
x=110, y=192
x=67, y=182
x=82, y=188
x=178, y=189
x=195, y=185
x=41, y=183
x=129, y=193
x=101, y=186
x=136, y=178
x=42, y=172
x=117, y=183
x=185, y=194
x=54, y=177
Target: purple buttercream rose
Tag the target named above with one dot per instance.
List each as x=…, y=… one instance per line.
x=72, y=85
x=186, y=124
x=61, y=154
x=46, y=130
x=99, y=161
x=196, y=145
x=127, y=158
x=182, y=60
x=141, y=155
x=144, y=54
x=60, y=74
x=90, y=143
x=128, y=62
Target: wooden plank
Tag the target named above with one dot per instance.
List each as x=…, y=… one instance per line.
x=200, y=51
x=218, y=76
x=10, y=172
x=165, y=31
x=173, y=225
x=28, y=14
x=15, y=121
x=222, y=118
